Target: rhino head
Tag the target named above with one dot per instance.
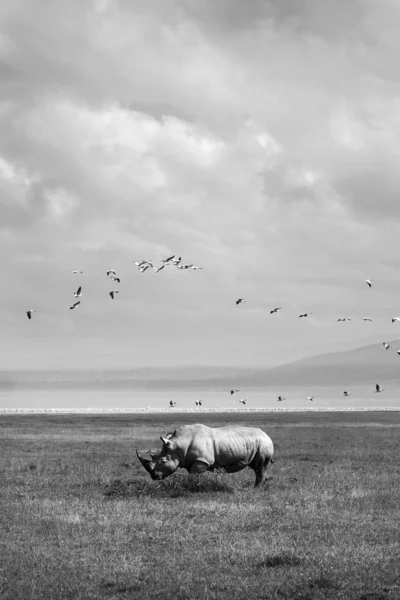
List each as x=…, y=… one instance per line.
x=165, y=462
x=149, y=465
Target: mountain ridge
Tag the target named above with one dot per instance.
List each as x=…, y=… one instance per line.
x=370, y=363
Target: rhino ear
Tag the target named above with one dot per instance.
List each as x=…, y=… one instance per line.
x=166, y=442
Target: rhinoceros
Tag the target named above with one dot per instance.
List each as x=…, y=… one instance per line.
x=198, y=448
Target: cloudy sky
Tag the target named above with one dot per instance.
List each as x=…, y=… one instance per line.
x=258, y=139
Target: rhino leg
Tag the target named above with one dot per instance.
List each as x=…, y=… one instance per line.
x=260, y=467
x=198, y=467
x=236, y=467
x=261, y=477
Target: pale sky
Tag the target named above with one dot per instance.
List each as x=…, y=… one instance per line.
x=258, y=140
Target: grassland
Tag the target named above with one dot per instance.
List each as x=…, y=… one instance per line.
x=81, y=519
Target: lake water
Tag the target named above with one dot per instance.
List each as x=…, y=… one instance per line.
x=136, y=399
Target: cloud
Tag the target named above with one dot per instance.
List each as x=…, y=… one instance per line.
x=257, y=140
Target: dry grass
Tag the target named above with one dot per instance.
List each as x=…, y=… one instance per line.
x=79, y=523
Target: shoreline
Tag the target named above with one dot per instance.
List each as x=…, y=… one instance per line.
x=87, y=411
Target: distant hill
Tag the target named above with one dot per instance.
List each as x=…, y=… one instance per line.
x=367, y=364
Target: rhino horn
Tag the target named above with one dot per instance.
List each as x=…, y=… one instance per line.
x=148, y=464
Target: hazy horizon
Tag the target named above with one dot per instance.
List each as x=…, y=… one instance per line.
x=205, y=369
x=357, y=370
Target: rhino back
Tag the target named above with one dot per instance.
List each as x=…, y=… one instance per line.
x=221, y=446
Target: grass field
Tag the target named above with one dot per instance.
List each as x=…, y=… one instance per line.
x=81, y=519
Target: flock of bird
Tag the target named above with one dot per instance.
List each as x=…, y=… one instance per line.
x=112, y=275
x=308, y=314
x=173, y=261
x=278, y=309
x=167, y=262
x=378, y=389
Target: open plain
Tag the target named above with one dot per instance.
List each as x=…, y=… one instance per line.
x=82, y=520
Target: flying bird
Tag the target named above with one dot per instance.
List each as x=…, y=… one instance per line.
x=111, y=271
x=275, y=310
x=143, y=264
x=74, y=305
x=78, y=272
x=344, y=319
x=159, y=268
x=233, y=390
x=386, y=346
x=176, y=261
x=144, y=268
x=304, y=315
x=368, y=282
x=78, y=292
x=378, y=389
x=117, y=279
x=365, y=319
x=198, y=402
x=243, y=401
x=113, y=292
x=240, y=300
x=398, y=352
x=172, y=404
x=310, y=398
x=346, y=393
x=29, y=313
x=395, y=319
x=167, y=260
x=281, y=398
x=196, y=268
